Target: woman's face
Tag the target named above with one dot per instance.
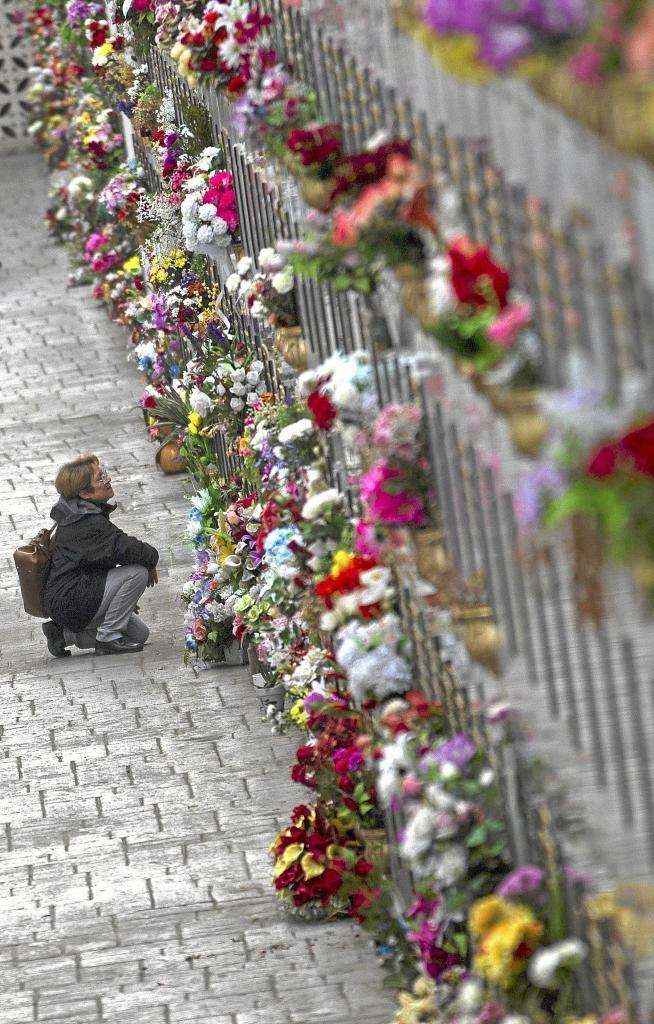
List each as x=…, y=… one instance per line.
x=101, y=489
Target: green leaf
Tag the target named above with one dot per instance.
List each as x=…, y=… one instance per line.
x=477, y=836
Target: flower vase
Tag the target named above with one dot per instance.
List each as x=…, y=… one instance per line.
x=376, y=847
x=221, y=256
x=430, y=553
x=414, y=289
x=317, y=192
x=168, y=458
x=292, y=347
x=643, y=574
x=527, y=423
x=481, y=637
x=256, y=666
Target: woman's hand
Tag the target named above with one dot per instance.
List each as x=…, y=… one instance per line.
x=152, y=578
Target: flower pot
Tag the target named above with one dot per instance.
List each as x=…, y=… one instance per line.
x=527, y=423
x=481, y=637
x=376, y=847
x=316, y=192
x=256, y=666
x=275, y=695
x=168, y=458
x=292, y=347
x=431, y=557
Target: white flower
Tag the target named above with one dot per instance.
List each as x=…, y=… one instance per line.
x=238, y=389
x=282, y=282
x=449, y=771
x=205, y=234
x=451, y=865
x=244, y=266
x=238, y=375
x=252, y=377
x=545, y=962
x=378, y=577
x=220, y=228
x=200, y=402
x=315, y=505
x=236, y=404
x=212, y=567
x=252, y=397
x=294, y=431
x=486, y=777
x=189, y=207
x=207, y=212
x=207, y=157
x=258, y=310
x=469, y=996
x=233, y=283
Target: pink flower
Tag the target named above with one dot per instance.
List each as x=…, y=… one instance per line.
x=639, y=45
x=396, y=430
x=365, y=540
x=507, y=326
x=586, y=64
x=344, y=228
x=385, y=503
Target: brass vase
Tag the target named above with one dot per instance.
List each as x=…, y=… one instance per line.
x=481, y=637
x=432, y=559
x=414, y=289
x=376, y=848
x=292, y=347
x=643, y=574
x=316, y=192
x=528, y=425
x=169, y=459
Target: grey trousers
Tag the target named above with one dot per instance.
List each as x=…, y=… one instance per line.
x=115, y=617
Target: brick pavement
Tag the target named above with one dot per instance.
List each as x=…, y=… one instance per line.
x=138, y=799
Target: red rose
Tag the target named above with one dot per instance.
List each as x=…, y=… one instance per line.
x=315, y=145
x=604, y=462
x=363, y=868
x=149, y=402
x=345, y=783
x=639, y=446
x=476, y=279
x=289, y=877
x=207, y=64
x=328, y=883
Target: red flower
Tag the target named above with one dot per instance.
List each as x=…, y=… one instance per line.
x=289, y=877
x=604, y=462
x=315, y=145
x=149, y=402
x=639, y=446
x=328, y=884
x=476, y=279
x=322, y=409
x=363, y=868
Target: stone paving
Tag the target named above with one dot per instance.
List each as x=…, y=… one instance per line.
x=137, y=798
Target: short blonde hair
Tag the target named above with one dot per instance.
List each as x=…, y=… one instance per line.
x=76, y=476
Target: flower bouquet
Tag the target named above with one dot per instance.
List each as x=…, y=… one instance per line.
x=615, y=489
x=209, y=217
x=382, y=228
x=217, y=47
x=319, y=871
x=267, y=294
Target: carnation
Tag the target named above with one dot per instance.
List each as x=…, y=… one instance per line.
x=316, y=504
x=294, y=431
x=546, y=962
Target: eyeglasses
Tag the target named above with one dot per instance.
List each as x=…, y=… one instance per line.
x=103, y=475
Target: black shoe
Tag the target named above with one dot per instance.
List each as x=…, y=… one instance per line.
x=120, y=646
x=54, y=634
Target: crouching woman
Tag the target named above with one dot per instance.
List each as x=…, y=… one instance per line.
x=96, y=572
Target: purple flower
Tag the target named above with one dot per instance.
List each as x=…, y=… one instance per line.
x=543, y=482
x=527, y=879
x=459, y=751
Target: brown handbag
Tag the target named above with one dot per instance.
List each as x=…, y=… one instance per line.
x=31, y=563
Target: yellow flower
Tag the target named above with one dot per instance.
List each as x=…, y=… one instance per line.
x=195, y=419
x=504, y=951
x=132, y=265
x=298, y=715
x=342, y=560
x=310, y=868
x=486, y=913
x=84, y=118
x=105, y=50
x=290, y=854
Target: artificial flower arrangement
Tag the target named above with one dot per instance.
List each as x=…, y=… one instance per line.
x=319, y=870
x=218, y=46
x=266, y=292
x=612, y=486
x=382, y=228
x=139, y=16
x=209, y=217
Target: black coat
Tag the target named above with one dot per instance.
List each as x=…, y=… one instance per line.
x=86, y=546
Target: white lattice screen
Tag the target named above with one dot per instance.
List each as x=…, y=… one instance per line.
x=14, y=64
